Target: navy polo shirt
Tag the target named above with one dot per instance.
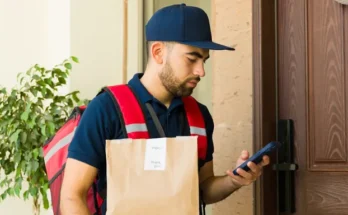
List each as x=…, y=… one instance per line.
x=100, y=122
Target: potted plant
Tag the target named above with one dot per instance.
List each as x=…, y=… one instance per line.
x=30, y=113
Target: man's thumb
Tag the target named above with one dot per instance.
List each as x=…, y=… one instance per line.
x=244, y=155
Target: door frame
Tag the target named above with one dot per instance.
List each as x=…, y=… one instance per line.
x=264, y=54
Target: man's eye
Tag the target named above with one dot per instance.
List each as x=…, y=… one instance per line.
x=192, y=60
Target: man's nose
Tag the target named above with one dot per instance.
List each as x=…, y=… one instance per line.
x=200, y=71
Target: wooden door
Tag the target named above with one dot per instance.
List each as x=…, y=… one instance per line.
x=312, y=68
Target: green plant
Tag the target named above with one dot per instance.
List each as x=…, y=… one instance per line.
x=30, y=113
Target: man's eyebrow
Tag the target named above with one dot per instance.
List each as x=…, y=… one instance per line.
x=196, y=54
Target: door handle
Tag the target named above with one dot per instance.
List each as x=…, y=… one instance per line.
x=285, y=167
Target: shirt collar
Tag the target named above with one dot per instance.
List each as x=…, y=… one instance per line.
x=140, y=89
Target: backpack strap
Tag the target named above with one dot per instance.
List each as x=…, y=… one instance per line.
x=133, y=122
x=155, y=120
x=197, y=125
x=129, y=111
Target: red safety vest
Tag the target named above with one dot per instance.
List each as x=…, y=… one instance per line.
x=55, y=150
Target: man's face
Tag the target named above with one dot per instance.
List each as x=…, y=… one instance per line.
x=183, y=68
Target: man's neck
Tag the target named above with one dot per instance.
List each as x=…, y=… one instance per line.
x=155, y=87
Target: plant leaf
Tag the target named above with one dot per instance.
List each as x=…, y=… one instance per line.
x=36, y=153
x=26, y=195
x=33, y=91
x=75, y=59
x=3, y=90
x=17, y=191
x=41, y=82
x=25, y=115
x=44, y=198
x=75, y=97
x=62, y=80
x=4, y=195
x=34, y=165
x=43, y=129
x=68, y=65
x=10, y=191
x=14, y=136
x=36, y=77
x=51, y=127
x=30, y=113
x=70, y=102
x=18, y=186
x=17, y=157
x=33, y=191
x=23, y=137
x=49, y=93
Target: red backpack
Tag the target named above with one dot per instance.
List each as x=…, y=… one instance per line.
x=133, y=123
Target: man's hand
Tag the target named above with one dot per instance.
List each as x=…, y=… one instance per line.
x=217, y=188
x=246, y=178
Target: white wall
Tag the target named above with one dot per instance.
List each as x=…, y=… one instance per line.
x=31, y=32
x=23, y=39
x=97, y=39
x=47, y=32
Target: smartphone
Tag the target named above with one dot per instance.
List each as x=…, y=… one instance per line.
x=257, y=158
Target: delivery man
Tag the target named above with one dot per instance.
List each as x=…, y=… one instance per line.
x=179, y=39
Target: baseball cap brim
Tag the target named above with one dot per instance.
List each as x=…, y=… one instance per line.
x=208, y=45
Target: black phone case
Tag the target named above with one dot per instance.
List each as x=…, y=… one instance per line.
x=257, y=158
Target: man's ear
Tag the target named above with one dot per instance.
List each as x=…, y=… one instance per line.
x=157, y=52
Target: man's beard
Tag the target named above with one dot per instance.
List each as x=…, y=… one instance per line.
x=172, y=84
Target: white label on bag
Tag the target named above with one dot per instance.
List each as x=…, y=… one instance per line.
x=155, y=154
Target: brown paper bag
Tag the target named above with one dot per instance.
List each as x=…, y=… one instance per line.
x=152, y=176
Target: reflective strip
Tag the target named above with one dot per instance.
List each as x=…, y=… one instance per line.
x=136, y=128
x=63, y=142
x=197, y=130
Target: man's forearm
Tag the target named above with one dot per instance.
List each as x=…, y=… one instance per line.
x=74, y=205
x=217, y=188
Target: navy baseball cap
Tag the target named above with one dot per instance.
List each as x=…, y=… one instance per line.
x=183, y=24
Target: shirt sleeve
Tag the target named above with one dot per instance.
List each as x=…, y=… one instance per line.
x=209, y=124
x=88, y=143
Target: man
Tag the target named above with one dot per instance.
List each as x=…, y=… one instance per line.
x=179, y=42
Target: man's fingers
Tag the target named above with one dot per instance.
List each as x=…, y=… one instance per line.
x=238, y=179
x=230, y=173
x=255, y=169
x=244, y=155
x=245, y=175
x=265, y=161
x=235, y=177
